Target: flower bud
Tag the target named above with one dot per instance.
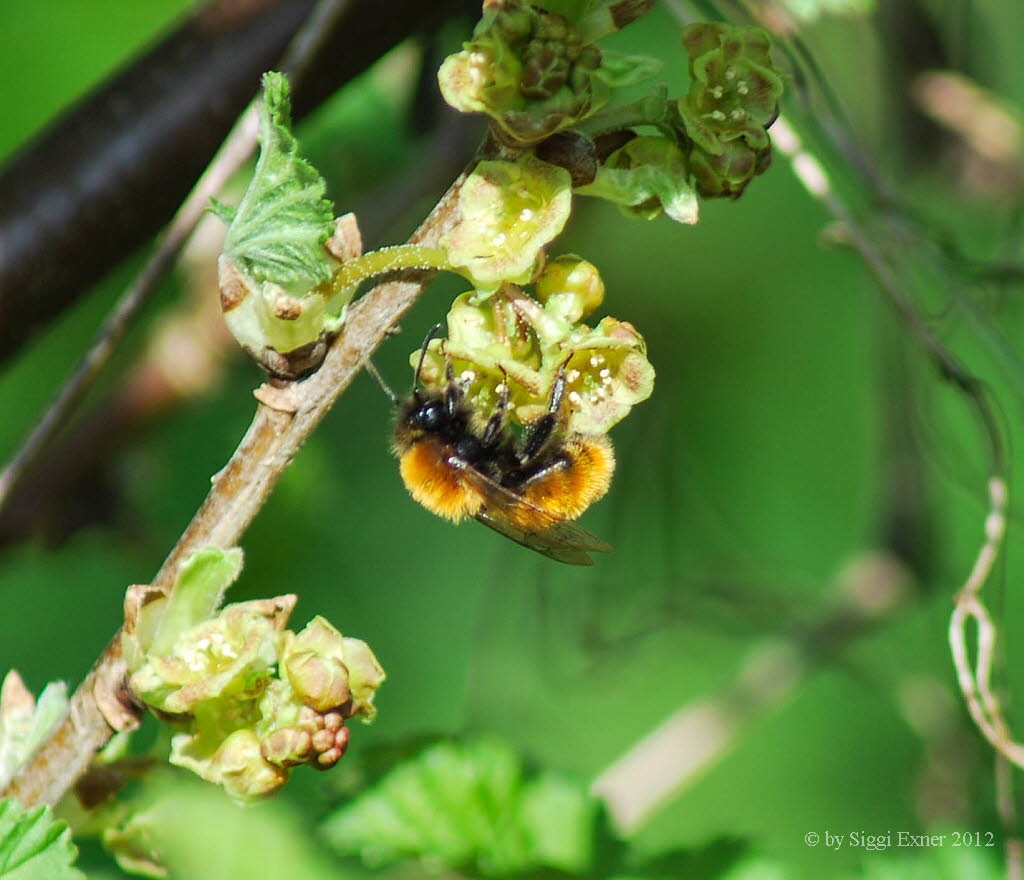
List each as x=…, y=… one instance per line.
x=320, y=682
x=337, y=745
x=312, y=662
x=287, y=747
x=646, y=176
x=527, y=69
x=241, y=770
x=249, y=699
x=570, y=285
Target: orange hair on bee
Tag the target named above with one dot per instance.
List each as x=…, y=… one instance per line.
x=435, y=484
x=568, y=491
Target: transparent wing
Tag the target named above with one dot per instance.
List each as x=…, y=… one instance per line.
x=508, y=513
x=564, y=541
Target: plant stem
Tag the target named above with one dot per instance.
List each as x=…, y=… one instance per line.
x=103, y=703
x=389, y=259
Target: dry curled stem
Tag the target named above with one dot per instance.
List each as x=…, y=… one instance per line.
x=975, y=678
x=103, y=704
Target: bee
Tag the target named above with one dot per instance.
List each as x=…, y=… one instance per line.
x=527, y=487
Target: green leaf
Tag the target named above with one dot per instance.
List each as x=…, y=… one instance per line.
x=561, y=822
x=619, y=70
x=194, y=832
x=645, y=177
x=283, y=220
x=718, y=858
x=204, y=578
x=34, y=846
x=471, y=807
x=226, y=212
x=25, y=722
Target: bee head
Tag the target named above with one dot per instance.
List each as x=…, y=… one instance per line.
x=429, y=413
x=423, y=412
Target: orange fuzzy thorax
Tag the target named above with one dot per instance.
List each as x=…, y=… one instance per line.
x=435, y=484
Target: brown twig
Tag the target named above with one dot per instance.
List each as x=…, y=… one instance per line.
x=185, y=356
x=102, y=704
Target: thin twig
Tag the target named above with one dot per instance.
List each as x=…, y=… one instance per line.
x=234, y=153
x=102, y=704
x=976, y=679
x=1007, y=807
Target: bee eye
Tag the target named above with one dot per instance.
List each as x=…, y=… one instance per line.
x=430, y=414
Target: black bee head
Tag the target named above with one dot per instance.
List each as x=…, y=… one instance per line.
x=430, y=415
x=426, y=413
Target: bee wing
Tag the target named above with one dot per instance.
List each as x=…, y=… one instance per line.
x=559, y=539
x=564, y=541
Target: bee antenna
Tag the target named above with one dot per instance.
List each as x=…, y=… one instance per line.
x=373, y=371
x=435, y=331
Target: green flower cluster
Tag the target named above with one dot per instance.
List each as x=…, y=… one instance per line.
x=511, y=344
x=249, y=698
x=733, y=98
x=527, y=69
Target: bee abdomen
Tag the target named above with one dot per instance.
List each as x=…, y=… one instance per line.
x=579, y=476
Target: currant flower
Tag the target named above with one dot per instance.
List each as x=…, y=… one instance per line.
x=513, y=346
x=733, y=99
x=507, y=212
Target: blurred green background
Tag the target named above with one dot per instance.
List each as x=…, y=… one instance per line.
x=791, y=412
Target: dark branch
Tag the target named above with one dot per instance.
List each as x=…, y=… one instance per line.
x=102, y=178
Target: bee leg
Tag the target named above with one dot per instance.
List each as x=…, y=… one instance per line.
x=545, y=426
x=496, y=422
x=453, y=394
